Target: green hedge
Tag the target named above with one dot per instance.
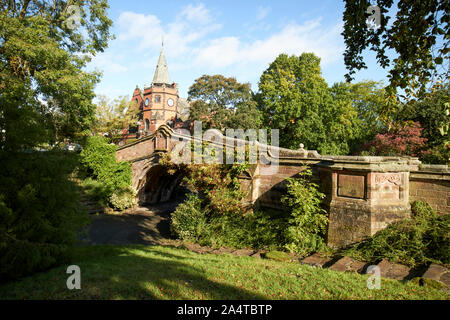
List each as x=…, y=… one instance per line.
x=422, y=239
x=39, y=211
x=108, y=181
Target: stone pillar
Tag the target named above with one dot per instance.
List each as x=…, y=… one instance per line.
x=367, y=194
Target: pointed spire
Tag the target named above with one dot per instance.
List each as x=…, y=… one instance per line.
x=161, y=73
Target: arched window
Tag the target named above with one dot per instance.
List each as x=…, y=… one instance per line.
x=147, y=125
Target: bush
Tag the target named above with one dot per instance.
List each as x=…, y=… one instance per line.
x=204, y=219
x=436, y=155
x=124, y=198
x=96, y=191
x=112, y=179
x=39, y=211
x=403, y=139
x=189, y=221
x=423, y=238
x=308, y=222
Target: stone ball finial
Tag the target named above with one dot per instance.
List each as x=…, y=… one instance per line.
x=302, y=146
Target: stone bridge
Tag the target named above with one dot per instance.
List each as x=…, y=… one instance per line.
x=363, y=194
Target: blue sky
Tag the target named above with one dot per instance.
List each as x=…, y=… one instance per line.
x=232, y=38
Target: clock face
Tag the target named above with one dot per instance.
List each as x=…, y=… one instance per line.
x=146, y=102
x=170, y=102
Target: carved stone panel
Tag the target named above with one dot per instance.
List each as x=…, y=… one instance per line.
x=387, y=186
x=351, y=186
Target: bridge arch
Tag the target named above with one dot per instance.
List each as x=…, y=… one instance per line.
x=152, y=181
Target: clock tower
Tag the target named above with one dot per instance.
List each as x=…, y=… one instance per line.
x=158, y=103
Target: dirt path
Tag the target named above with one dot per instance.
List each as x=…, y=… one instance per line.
x=144, y=225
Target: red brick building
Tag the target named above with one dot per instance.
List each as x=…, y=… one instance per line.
x=158, y=103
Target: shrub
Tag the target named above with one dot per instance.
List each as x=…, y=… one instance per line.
x=189, y=221
x=123, y=198
x=401, y=139
x=437, y=155
x=255, y=230
x=215, y=216
x=193, y=222
x=423, y=238
x=96, y=191
x=218, y=186
x=308, y=222
x=39, y=211
x=98, y=156
x=113, y=178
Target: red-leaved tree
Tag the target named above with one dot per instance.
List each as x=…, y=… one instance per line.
x=402, y=139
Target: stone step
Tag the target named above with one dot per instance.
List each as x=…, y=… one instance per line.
x=438, y=273
x=347, y=264
x=243, y=252
x=393, y=270
x=317, y=260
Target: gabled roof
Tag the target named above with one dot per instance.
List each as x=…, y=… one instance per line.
x=161, y=73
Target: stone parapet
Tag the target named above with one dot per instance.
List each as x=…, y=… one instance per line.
x=431, y=183
x=366, y=194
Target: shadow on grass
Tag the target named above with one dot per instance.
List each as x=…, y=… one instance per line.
x=136, y=272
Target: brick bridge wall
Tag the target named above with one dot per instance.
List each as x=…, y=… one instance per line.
x=364, y=194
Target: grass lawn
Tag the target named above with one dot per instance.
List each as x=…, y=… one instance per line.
x=154, y=272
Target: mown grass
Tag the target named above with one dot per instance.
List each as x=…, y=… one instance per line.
x=154, y=272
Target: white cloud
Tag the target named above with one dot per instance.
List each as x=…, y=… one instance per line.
x=197, y=14
x=262, y=12
x=145, y=28
x=292, y=39
x=191, y=24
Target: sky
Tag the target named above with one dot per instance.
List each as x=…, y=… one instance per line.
x=232, y=38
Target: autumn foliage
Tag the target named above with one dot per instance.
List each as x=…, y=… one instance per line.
x=401, y=139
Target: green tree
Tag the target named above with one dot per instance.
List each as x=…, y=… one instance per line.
x=368, y=99
x=295, y=98
x=111, y=178
x=113, y=116
x=221, y=103
x=45, y=96
x=418, y=37
x=45, y=93
x=431, y=113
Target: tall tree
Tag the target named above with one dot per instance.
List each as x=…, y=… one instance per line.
x=221, y=103
x=432, y=114
x=44, y=90
x=368, y=100
x=45, y=95
x=418, y=36
x=295, y=99
x=112, y=116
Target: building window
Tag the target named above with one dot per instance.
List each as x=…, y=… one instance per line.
x=147, y=125
x=158, y=99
